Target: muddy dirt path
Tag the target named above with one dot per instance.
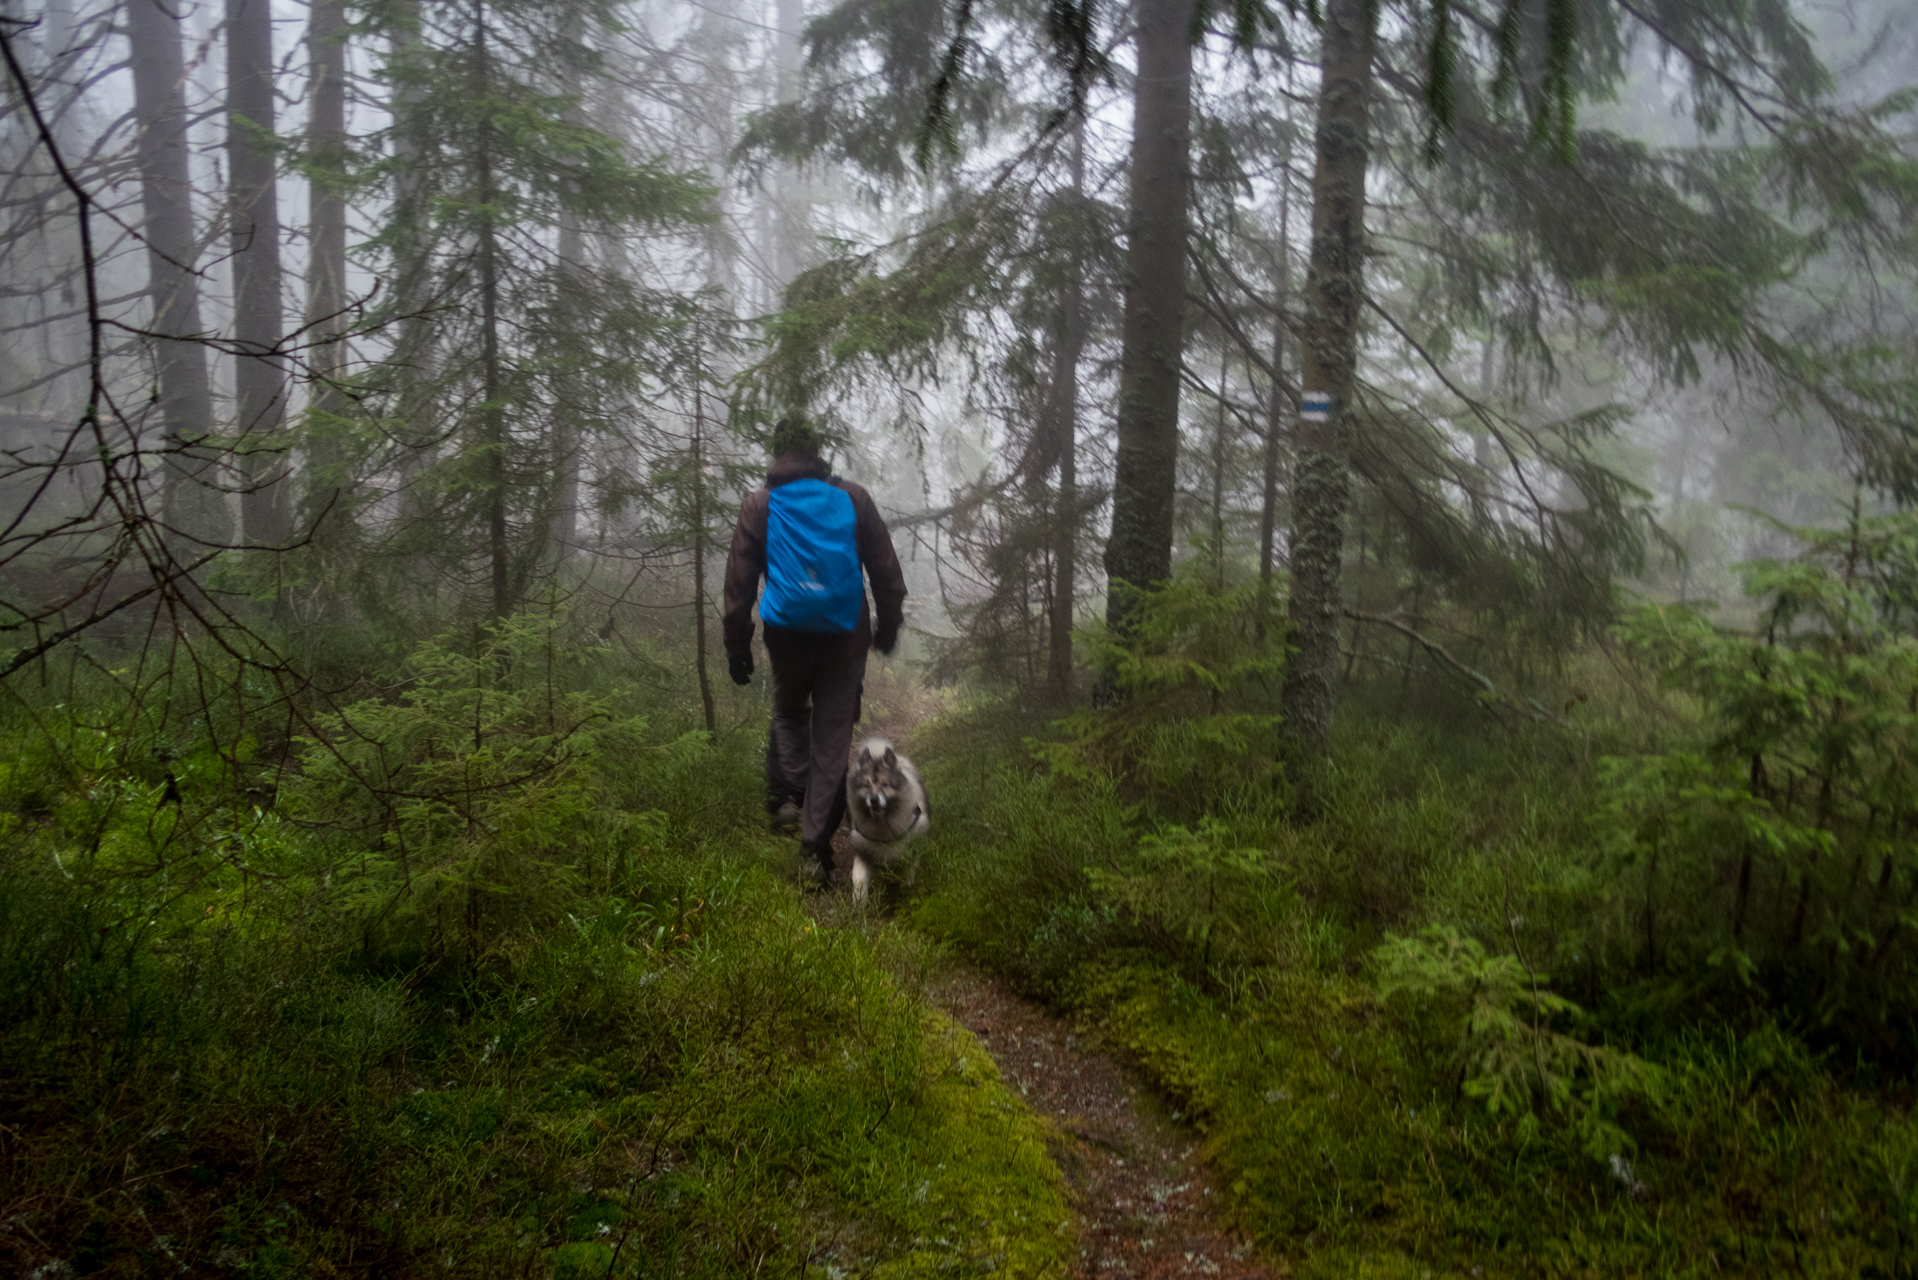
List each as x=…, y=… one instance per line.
x=1144, y=1199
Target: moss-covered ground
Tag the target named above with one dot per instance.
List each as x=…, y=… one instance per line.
x=593, y=1031
x=1359, y=1127
x=496, y=971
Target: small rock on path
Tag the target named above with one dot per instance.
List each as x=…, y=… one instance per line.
x=1144, y=1198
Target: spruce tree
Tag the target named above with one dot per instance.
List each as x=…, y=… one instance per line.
x=524, y=353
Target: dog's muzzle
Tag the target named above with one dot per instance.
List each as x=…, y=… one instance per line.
x=875, y=803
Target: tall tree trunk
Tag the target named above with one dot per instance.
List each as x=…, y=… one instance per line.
x=786, y=227
x=493, y=437
x=1217, y=531
x=699, y=553
x=1334, y=292
x=414, y=353
x=194, y=511
x=563, y=531
x=62, y=83
x=721, y=36
x=326, y=255
x=1139, y=552
x=1481, y=437
x=259, y=382
x=1275, y=412
x=62, y=79
x=1065, y=423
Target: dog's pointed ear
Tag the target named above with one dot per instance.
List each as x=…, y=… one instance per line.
x=892, y=758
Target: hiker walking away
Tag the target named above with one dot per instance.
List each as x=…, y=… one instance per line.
x=809, y=534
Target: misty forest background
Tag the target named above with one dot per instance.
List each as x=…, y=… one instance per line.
x=1486, y=810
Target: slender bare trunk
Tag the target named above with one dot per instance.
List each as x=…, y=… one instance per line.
x=1334, y=292
x=563, y=529
x=564, y=532
x=699, y=554
x=414, y=354
x=326, y=253
x=1139, y=552
x=787, y=225
x=493, y=413
x=1275, y=412
x=259, y=381
x=1217, y=530
x=62, y=93
x=195, y=512
x=1065, y=423
x=1487, y=380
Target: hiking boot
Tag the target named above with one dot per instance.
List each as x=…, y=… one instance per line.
x=815, y=868
x=786, y=817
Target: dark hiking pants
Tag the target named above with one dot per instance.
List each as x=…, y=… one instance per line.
x=815, y=702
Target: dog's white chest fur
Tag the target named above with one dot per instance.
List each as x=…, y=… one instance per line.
x=888, y=808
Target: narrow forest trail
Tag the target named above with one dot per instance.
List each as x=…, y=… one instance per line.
x=1145, y=1201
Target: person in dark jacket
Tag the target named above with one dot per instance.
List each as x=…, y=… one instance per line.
x=809, y=534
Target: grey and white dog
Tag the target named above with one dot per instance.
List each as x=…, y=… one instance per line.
x=889, y=810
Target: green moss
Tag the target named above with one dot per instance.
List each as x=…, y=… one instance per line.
x=989, y=1198
x=643, y=1057
x=1338, y=1120
x=1338, y=1151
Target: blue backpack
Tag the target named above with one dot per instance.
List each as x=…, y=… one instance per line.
x=812, y=558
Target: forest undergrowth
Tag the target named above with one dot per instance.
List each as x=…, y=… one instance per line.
x=1623, y=991
x=486, y=963
x=494, y=971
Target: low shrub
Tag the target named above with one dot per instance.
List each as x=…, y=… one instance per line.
x=510, y=982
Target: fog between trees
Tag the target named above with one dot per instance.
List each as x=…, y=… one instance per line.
x=441, y=301
x=1407, y=509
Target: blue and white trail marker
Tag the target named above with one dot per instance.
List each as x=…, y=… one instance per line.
x=1315, y=406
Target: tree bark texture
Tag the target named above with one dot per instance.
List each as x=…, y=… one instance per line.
x=1216, y=531
x=493, y=413
x=1065, y=426
x=326, y=251
x=563, y=529
x=194, y=511
x=1334, y=293
x=1275, y=408
x=1139, y=551
x=706, y=702
x=788, y=223
x=259, y=380
x=61, y=79
x=415, y=354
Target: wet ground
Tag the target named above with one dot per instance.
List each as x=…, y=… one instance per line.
x=1147, y=1205
x=1144, y=1199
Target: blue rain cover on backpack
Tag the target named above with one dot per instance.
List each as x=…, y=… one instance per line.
x=812, y=558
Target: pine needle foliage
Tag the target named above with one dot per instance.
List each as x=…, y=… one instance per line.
x=457, y=807
x=509, y=980
x=1499, y=1013
x=509, y=364
x=1199, y=678
x=1400, y=1023
x=1788, y=833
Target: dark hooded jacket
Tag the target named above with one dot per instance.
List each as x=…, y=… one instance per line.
x=746, y=566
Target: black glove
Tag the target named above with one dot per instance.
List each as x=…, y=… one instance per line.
x=886, y=637
x=740, y=667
